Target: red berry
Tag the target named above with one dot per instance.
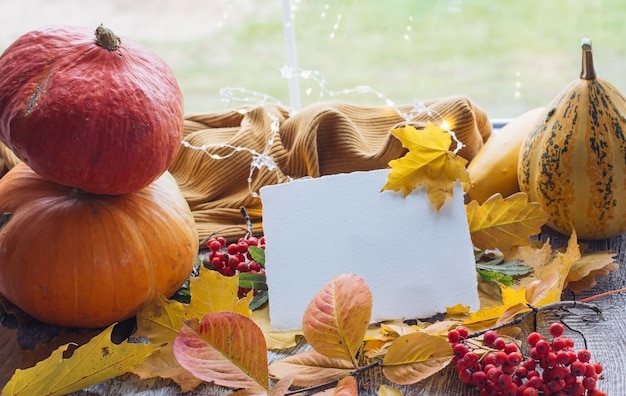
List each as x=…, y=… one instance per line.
x=511, y=347
x=490, y=359
x=479, y=379
x=504, y=380
x=533, y=338
x=543, y=347
x=255, y=267
x=494, y=373
x=253, y=241
x=232, y=249
x=514, y=358
x=465, y=376
x=584, y=355
x=501, y=357
x=221, y=240
x=556, y=329
x=454, y=336
x=214, y=245
x=529, y=364
x=598, y=368
x=590, y=370
x=463, y=332
x=521, y=372
x=242, y=246
x=589, y=382
x=562, y=357
x=550, y=359
x=460, y=350
x=217, y=263
x=489, y=337
x=499, y=343
x=470, y=359
x=243, y=267
x=530, y=392
x=535, y=381
x=558, y=343
x=578, y=368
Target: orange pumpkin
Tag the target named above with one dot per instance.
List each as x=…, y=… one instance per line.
x=76, y=259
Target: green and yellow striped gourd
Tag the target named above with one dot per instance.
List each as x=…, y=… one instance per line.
x=574, y=161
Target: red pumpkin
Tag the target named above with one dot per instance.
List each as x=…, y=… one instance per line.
x=77, y=259
x=86, y=110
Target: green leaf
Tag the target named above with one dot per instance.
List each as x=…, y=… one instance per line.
x=258, y=300
x=252, y=281
x=491, y=276
x=511, y=268
x=258, y=254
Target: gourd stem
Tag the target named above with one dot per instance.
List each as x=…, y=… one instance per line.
x=588, y=72
x=107, y=39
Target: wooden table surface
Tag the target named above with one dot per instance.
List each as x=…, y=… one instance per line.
x=605, y=338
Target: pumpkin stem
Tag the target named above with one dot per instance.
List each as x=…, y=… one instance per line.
x=588, y=72
x=107, y=39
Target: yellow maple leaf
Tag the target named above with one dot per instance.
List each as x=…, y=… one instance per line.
x=487, y=316
x=92, y=363
x=428, y=163
x=501, y=223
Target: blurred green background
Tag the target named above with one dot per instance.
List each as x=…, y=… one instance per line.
x=508, y=56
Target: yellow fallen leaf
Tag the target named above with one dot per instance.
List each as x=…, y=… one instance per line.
x=415, y=356
x=489, y=315
x=275, y=339
x=503, y=222
x=214, y=292
x=584, y=271
x=92, y=363
x=336, y=320
x=428, y=163
x=457, y=310
x=550, y=287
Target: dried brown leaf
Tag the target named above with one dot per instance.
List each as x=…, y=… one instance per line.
x=583, y=273
x=310, y=368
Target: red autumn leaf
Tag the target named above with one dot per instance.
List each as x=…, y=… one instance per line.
x=336, y=320
x=226, y=348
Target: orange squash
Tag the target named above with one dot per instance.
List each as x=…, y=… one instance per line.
x=76, y=259
x=574, y=161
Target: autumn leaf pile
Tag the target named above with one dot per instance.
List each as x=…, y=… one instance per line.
x=217, y=338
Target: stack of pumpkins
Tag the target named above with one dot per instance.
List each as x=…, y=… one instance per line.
x=94, y=227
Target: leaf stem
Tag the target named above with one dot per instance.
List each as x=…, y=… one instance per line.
x=600, y=295
x=547, y=307
x=333, y=383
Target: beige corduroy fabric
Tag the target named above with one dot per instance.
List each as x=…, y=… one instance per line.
x=227, y=156
x=321, y=139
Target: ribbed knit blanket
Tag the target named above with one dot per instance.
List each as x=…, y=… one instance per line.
x=227, y=156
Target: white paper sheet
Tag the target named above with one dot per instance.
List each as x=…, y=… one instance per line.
x=415, y=260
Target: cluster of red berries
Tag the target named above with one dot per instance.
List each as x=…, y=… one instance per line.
x=497, y=367
x=230, y=259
